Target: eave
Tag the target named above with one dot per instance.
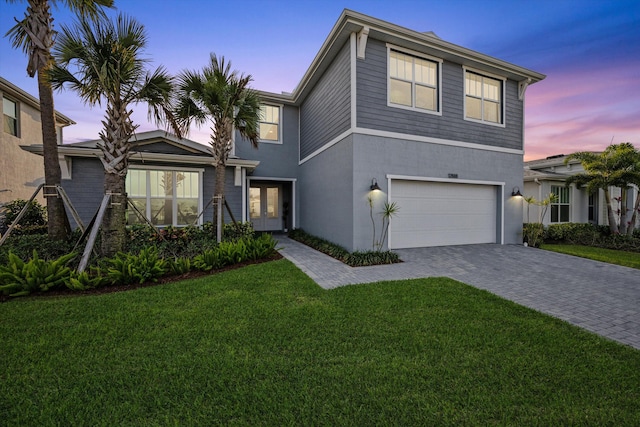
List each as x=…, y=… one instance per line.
x=20, y=95
x=354, y=22
x=142, y=157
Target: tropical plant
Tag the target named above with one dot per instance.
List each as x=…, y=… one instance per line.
x=617, y=166
x=125, y=268
x=102, y=61
x=19, y=277
x=388, y=211
x=34, y=34
x=223, y=98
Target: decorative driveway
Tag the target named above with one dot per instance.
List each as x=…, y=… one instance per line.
x=596, y=296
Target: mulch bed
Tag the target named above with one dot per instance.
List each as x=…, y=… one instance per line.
x=121, y=288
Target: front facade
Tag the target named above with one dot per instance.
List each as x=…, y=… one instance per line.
x=438, y=127
x=573, y=204
x=20, y=172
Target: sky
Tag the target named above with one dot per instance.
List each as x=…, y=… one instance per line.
x=589, y=50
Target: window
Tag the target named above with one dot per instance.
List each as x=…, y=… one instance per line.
x=10, y=116
x=413, y=82
x=165, y=197
x=593, y=208
x=483, y=98
x=560, y=207
x=270, y=123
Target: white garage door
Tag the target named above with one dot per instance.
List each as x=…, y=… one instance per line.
x=442, y=213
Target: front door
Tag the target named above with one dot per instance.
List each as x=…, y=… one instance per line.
x=264, y=206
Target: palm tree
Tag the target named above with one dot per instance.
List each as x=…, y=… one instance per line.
x=102, y=62
x=222, y=97
x=34, y=35
x=616, y=166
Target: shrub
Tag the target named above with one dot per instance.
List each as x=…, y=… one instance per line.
x=355, y=259
x=533, y=234
x=240, y=230
x=229, y=253
x=362, y=259
x=18, y=278
x=36, y=214
x=87, y=280
x=178, y=266
x=23, y=245
x=126, y=268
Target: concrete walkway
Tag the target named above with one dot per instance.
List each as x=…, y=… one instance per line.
x=596, y=296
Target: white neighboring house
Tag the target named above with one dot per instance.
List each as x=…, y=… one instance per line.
x=549, y=175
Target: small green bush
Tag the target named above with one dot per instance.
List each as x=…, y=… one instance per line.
x=86, y=280
x=178, y=266
x=125, y=268
x=240, y=230
x=363, y=259
x=533, y=234
x=23, y=246
x=18, y=278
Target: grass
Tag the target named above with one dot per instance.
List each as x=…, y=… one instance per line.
x=627, y=259
x=264, y=345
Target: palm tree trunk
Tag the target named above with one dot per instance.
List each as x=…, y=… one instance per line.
x=114, y=145
x=219, y=190
x=113, y=226
x=613, y=225
x=634, y=217
x=58, y=224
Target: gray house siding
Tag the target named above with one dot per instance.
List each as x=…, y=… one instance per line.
x=325, y=113
x=377, y=157
x=86, y=189
x=276, y=160
x=374, y=113
x=327, y=198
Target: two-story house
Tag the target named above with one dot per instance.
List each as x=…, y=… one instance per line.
x=438, y=128
x=20, y=172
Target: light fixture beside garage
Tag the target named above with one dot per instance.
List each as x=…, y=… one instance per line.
x=516, y=192
x=374, y=185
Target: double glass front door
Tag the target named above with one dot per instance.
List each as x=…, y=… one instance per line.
x=264, y=206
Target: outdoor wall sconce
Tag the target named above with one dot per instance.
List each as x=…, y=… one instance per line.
x=516, y=192
x=374, y=185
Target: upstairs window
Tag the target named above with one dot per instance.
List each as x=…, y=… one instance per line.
x=560, y=207
x=10, y=116
x=413, y=82
x=483, y=98
x=269, y=123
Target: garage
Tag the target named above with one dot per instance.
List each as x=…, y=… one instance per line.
x=433, y=213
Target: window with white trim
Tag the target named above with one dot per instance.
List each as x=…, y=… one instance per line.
x=413, y=82
x=269, y=125
x=561, y=206
x=164, y=197
x=483, y=98
x=10, y=116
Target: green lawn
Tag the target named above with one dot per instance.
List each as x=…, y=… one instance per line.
x=628, y=259
x=265, y=346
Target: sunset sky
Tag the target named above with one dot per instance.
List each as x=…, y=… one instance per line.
x=589, y=50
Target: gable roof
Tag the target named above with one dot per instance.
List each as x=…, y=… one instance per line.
x=15, y=92
x=354, y=22
x=145, y=148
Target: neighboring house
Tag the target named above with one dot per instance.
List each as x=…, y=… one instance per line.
x=437, y=126
x=20, y=172
x=573, y=204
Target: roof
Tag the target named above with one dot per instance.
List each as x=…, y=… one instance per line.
x=196, y=152
x=14, y=91
x=428, y=43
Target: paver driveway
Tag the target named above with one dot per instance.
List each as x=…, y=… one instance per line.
x=596, y=296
